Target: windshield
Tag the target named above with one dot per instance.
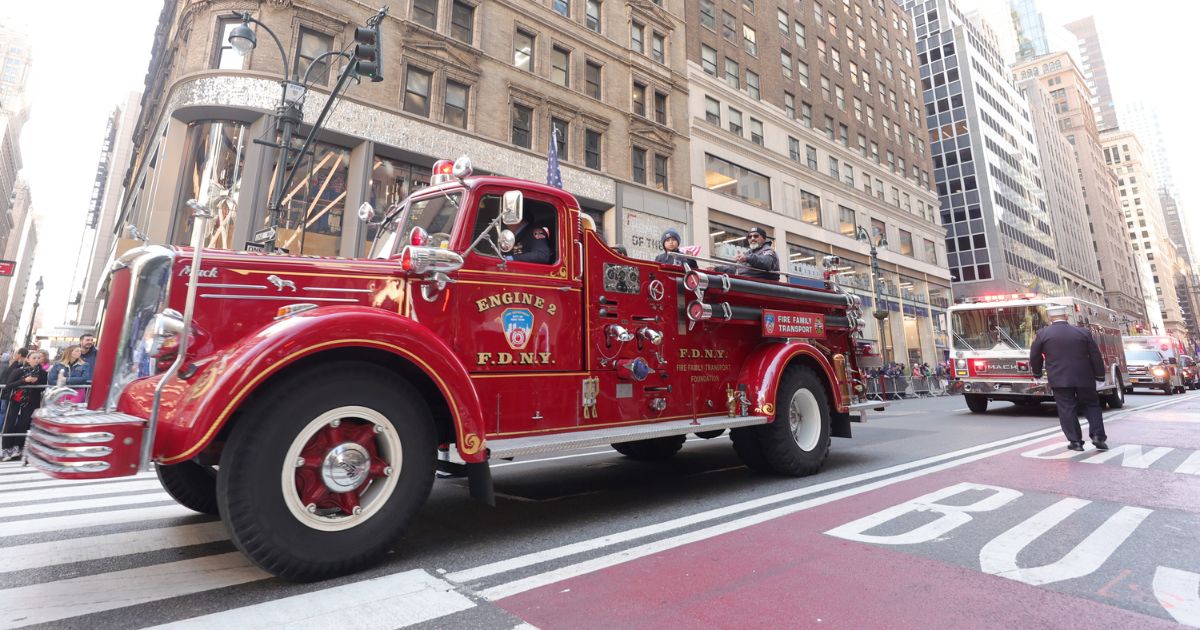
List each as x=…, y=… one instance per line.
x=434, y=214
x=1143, y=355
x=999, y=328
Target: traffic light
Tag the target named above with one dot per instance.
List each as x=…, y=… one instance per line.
x=367, y=54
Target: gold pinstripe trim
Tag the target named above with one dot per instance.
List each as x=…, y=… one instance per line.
x=596, y=426
x=220, y=420
x=531, y=374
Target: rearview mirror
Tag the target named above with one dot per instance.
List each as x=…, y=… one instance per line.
x=514, y=207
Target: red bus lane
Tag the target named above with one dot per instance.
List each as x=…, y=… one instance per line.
x=1037, y=534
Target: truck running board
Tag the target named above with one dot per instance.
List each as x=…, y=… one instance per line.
x=862, y=408
x=539, y=444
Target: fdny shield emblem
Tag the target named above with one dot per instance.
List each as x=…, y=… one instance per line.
x=769, y=322
x=518, y=325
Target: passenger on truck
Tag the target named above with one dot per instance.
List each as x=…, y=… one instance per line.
x=671, y=254
x=760, y=261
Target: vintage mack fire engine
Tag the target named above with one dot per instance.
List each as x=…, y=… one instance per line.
x=991, y=337
x=304, y=400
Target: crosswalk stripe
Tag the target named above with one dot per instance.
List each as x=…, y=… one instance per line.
x=45, y=554
x=54, y=601
x=84, y=504
x=95, y=519
x=18, y=476
x=391, y=601
x=45, y=482
x=53, y=494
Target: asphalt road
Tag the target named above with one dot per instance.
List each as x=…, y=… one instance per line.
x=929, y=516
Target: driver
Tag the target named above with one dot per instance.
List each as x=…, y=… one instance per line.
x=531, y=245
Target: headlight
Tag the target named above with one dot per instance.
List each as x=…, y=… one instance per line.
x=163, y=327
x=1160, y=372
x=962, y=363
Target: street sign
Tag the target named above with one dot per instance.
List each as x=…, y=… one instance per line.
x=264, y=235
x=7, y=267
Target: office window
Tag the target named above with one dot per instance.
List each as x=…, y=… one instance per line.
x=749, y=40
x=660, y=171
x=462, y=22
x=826, y=89
x=810, y=208
x=735, y=181
x=658, y=47
x=810, y=156
x=798, y=28
x=833, y=168
x=424, y=12
x=829, y=127
x=785, y=63
x=417, y=83
x=756, y=131
x=806, y=114
x=708, y=60
x=591, y=149
x=313, y=45
x=225, y=57
x=839, y=97
x=906, y=243
x=562, y=7
x=878, y=229
x=638, y=160
x=592, y=17
x=639, y=99
x=802, y=73
x=591, y=78
x=712, y=111
x=735, y=121
x=848, y=171
x=793, y=148
x=732, y=74
x=752, y=85
x=637, y=34
x=660, y=108
x=728, y=26
x=560, y=130
x=523, y=50
x=454, y=112
x=560, y=66
x=789, y=104
x=930, y=252
x=846, y=224
x=522, y=126
x=708, y=14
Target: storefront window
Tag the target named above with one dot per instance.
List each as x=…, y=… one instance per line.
x=805, y=262
x=726, y=241
x=212, y=176
x=391, y=181
x=855, y=275
x=313, y=207
x=914, y=290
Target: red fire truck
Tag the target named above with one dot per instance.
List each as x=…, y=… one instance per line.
x=991, y=336
x=304, y=399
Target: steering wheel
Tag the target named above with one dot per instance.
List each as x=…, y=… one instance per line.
x=439, y=239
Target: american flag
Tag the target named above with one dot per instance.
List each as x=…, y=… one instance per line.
x=553, y=176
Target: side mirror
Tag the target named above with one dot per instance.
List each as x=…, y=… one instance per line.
x=514, y=207
x=1173, y=361
x=366, y=212
x=506, y=241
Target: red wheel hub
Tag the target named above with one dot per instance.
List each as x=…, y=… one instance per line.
x=347, y=448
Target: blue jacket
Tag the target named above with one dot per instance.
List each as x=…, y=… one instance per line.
x=1072, y=358
x=79, y=374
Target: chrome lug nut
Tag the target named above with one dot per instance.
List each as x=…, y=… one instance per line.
x=335, y=423
x=357, y=510
x=311, y=507
x=299, y=462
x=379, y=428
x=387, y=472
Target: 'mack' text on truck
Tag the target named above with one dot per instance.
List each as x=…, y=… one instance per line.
x=306, y=400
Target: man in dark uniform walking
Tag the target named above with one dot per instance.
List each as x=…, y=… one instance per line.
x=1073, y=365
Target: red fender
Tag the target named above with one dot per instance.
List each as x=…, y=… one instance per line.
x=193, y=411
x=762, y=369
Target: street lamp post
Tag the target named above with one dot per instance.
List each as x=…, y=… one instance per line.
x=37, y=296
x=880, y=314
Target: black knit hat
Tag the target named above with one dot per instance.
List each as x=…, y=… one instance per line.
x=670, y=233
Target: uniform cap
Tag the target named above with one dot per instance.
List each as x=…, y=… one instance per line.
x=1057, y=311
x=757, y=230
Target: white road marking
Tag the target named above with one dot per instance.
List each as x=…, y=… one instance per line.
x=1190, y=466
x=999, y=555
x=392, y=601
x=517, y=562
x=44, y=554
x=46, y=482
x=950, y=517
x=564, y=573
x=82, y=504
x=1176, y=591
x=1131, y=455
x=95, y=519
x=54, y=601
x=54, y=494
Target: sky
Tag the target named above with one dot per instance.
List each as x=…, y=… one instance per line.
x=88, y=55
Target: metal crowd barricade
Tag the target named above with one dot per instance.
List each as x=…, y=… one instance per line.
x=899, y=387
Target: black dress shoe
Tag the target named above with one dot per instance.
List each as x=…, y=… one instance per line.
x=1074, y=446
x=1100, y=445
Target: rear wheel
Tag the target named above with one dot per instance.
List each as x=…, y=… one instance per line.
x=1116, y=398
x=324, y=472
x=976, y=403
x=191, y=485
x=656, y=449
x=797, y=442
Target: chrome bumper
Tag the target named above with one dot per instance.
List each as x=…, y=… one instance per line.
x=84, y=444
x=1002, y=387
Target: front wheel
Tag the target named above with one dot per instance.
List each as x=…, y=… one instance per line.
x=976, y=403
x=192, y=485
x=323, y=473
x=796, y=443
